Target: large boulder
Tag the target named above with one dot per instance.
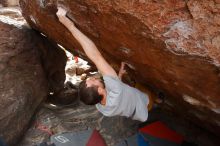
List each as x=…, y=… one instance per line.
x=171, y=45
x=25, y=71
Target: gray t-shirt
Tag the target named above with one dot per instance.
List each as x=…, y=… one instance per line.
x=123, y=100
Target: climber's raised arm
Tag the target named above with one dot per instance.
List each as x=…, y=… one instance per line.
x=88, y=46
x=122, y=70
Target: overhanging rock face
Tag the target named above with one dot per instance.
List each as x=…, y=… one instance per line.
x=172, y=45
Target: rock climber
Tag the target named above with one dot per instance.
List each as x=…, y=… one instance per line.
x=110, y=95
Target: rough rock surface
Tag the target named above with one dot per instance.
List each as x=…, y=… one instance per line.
x=74, y=118
x=8, y=3
x=23, y=81
x=172, y=45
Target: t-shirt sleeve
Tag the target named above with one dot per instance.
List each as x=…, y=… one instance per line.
x=112, y=84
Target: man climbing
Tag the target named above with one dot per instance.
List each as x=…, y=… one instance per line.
x=111, y=96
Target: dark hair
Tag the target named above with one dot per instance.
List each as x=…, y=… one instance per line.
x=89, y=95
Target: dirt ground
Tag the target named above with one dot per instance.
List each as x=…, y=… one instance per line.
x=75, y=118
x=79, y=117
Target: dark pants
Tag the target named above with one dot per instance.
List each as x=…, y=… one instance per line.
x=2, y=143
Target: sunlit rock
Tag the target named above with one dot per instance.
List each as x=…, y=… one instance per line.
x=9, y=3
